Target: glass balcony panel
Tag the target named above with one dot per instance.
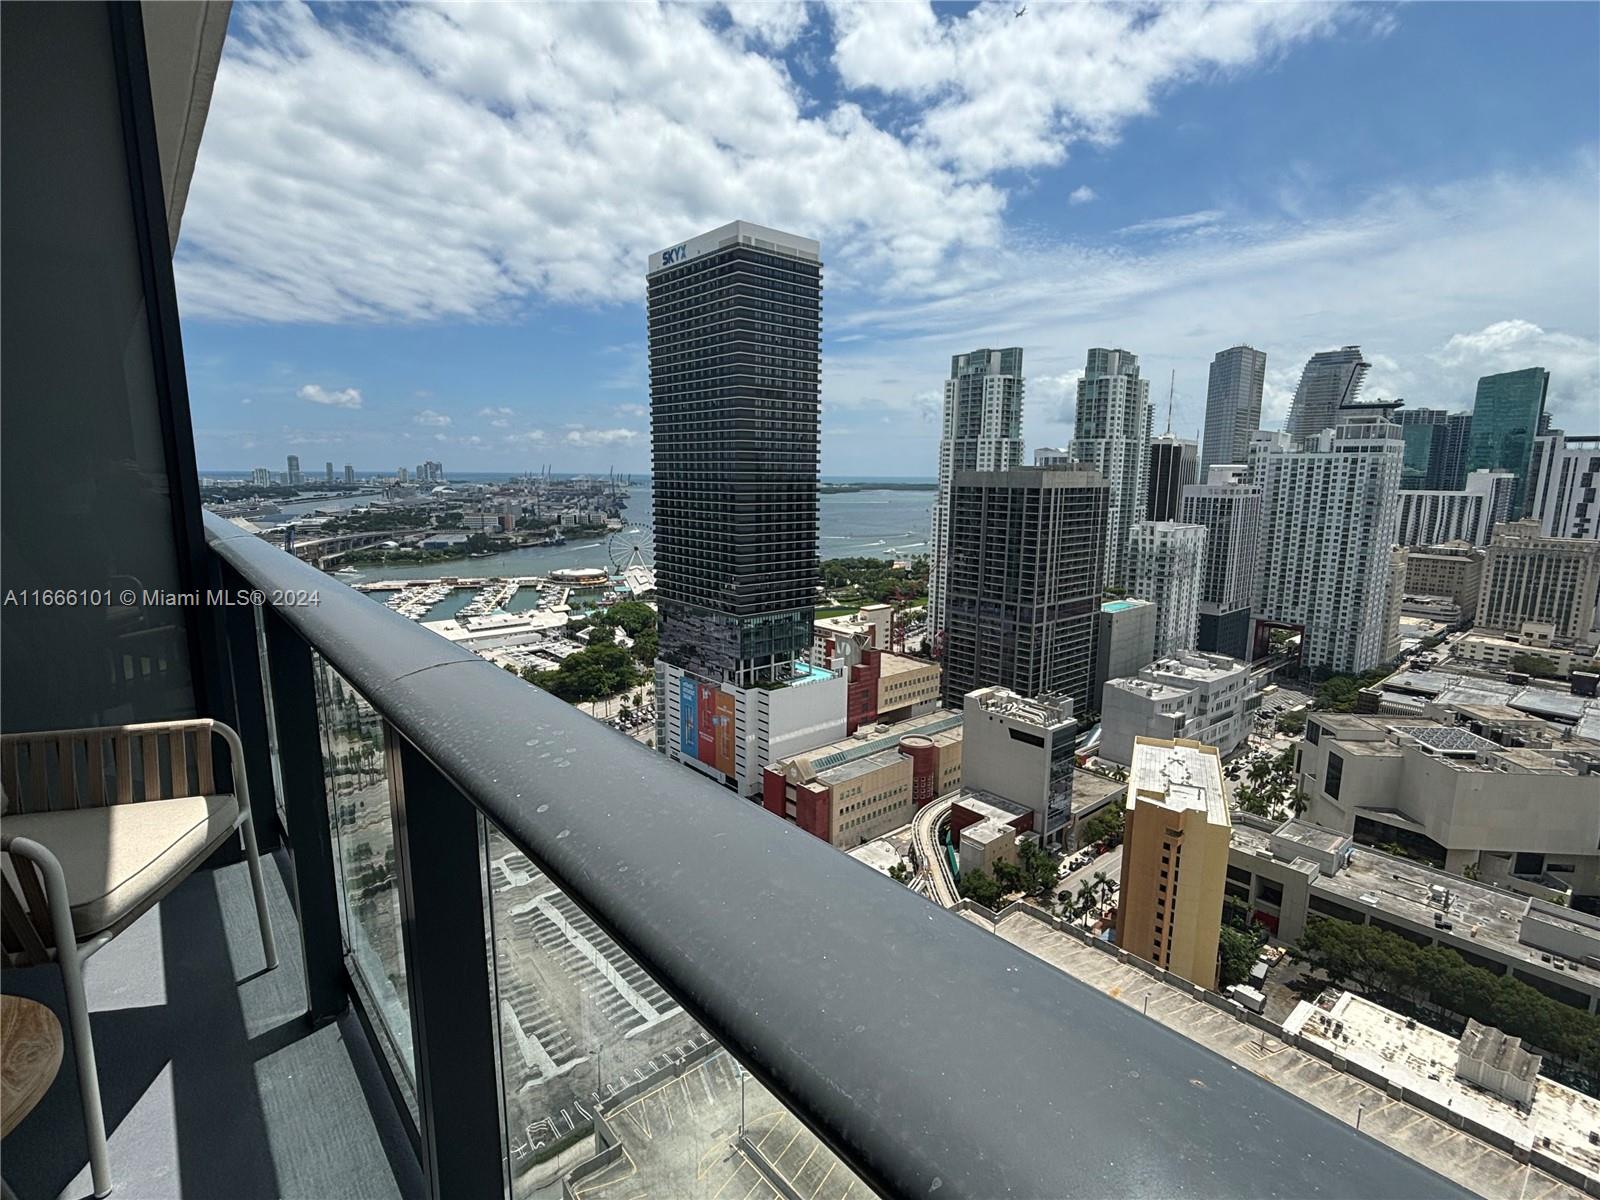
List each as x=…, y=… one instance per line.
x=358, y=763
x=260, y=621
x=611, y=1089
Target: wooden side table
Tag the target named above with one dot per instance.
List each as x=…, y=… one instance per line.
x=30, y=1056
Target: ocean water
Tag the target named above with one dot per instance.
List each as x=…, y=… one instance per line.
x=890, y=524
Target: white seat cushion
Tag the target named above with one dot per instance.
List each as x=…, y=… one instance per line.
x=119, y=859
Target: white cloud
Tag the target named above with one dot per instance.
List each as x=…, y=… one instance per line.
x=1174, y=224
x=452, y=162
x=1006, y=92
x=342, y=398
x=1402, y=274
x=1081, y=194
x=631, y=410
x=428, y=417
x=501, y=411
x=774, y=22
x=602, y=437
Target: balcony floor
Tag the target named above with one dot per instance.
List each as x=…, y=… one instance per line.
x=214, y=1084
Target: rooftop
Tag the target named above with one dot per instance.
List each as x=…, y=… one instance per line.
x=1179, y=775
x=1116, y=606
x=943, y=726
x=1423, y=1061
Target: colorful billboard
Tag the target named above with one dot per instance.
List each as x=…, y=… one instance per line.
x=705, y=714
x=688, y=726
x=723, y=730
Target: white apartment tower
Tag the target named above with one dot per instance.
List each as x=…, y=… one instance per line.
x=1564, y=485
x=1165, y=562
x=1112, y=435
x=1330, y=381
x=1230, y=510
x=1233, y=404
x=982, y=432
x=1329, y=508
x=1466, y=515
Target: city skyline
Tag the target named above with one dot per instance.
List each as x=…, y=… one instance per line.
x=409, y=346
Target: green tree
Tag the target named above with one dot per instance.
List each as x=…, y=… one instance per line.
x=1292, y=723
x=1236, y=954
x=592, y=673
x=980, y=887
x=1105, y=826
x=1536, y=665
x=900, y=872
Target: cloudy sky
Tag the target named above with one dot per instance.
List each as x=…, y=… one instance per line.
x=422, y=232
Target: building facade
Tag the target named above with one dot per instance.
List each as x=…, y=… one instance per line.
x=1127, y=641
x=1436, y=448
x=1053, y=456
x=1027, y=559
x=1230, y=510
x=1450, y=569
x=982, y=432
x=1331, y=380
x=1468, y=514
x=1021, y=748
x=1564, y=486
x=1530, y=578
x=1329, y=509
x=851, y=791
x=1455, y=798
x=349, y=473
x=1174, y=465
x=1233, y=404
x=1174, y=858
x=735, y=321
x=1507, y=415
x=1297, y=872
x=293, y=477
x=735, y=325
x=1112, y=435
x=1206, y=698
x=1166, y=560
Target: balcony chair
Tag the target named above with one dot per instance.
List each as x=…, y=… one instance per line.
x=99, y=825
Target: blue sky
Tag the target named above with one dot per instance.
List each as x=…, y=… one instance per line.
x=421, y=233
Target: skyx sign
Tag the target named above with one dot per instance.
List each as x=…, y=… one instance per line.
x=675, y=255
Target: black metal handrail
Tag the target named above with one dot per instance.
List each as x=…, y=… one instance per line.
x=931, y=1056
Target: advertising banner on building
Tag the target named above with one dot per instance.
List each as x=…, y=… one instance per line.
x=723, y=729
x=688, y=724
x=705, y=714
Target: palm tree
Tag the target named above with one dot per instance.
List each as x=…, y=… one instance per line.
x=1260, y=771
x=1104, y=886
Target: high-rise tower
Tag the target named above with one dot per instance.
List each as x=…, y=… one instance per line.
x=1230, y=510
x=1174, y=465
x=1026, y=571
x=982, y=432
x=1233, y=404
x=1330, y=504
x=1112, y=435
x=1330, y=381
x=1507, y=415
x=735, y=318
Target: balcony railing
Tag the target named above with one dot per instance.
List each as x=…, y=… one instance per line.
x=544, y=924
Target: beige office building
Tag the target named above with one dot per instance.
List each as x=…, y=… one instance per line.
x=1528, y=577
x=1174, y=857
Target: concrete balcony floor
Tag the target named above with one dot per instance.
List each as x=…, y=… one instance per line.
x=213, y=1081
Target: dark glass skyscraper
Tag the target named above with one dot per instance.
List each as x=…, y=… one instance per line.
x=1436, y=448
x=735, y=361
x=1027, y=557
x=1174, y=465
x=1506, y=417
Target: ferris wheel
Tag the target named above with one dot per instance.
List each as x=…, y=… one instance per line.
x=626, y=549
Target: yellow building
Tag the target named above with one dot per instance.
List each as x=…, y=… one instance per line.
x=1174, y=857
